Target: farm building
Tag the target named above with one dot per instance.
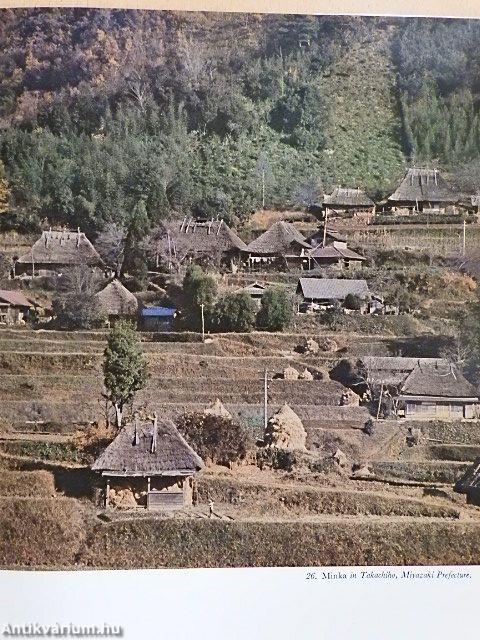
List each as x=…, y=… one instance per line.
x=331, y=249
x=255, y=291
x=56, y=251
x=282, y=244
x=347, y=202
x=116, y=301
x=327, y=291
x=470, y=484
x=201, y=239
x=422, y=190
x=149, y=464
x=15, y=308
x=436, y=391
x=392, y=371
x=157, y=318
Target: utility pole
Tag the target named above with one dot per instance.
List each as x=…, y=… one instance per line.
x=203, y=321
x=325, y=227
x=265, y=401
x=464, y=237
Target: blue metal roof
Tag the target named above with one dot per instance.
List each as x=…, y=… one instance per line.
x=159, y=312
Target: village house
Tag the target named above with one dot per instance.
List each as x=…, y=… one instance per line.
x=157, y=318
x=325, y=292
x=422, y=190
x=116, y=302
x=15, y=308
x=149, y=464
x=331, y=249
x=255, y=291
x=438, y=391
x=281, y=245
x=392, y=371
x=202, y=239
x=344, y=202
x=55, y=251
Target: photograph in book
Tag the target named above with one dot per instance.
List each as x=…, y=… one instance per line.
x=239, y=299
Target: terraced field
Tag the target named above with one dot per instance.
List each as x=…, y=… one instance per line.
x=50, y=387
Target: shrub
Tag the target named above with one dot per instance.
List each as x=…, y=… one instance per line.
x=276, y=458
x=219, y=439
x=199, y=289
x=332, y=317
x=235, y=312
x=353, y=302
x=275, y=311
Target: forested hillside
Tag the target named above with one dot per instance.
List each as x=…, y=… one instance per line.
x=219, y=114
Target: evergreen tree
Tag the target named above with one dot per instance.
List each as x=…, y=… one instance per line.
x=124, y=368
x=235, y=312
x=275, y=311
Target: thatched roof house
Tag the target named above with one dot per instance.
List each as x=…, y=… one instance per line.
x=345, y=200
x=392, y=371
x=470, y=483
x=116, y=301
x=422, y=189
x=282, y=242
x=322, y=237
x=152, y=451
x=334, y=254
x=57, y=250
x=14, y=307
x=438, y=391
x=199, y=239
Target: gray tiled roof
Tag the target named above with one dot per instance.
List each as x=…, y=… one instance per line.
x=332, y=288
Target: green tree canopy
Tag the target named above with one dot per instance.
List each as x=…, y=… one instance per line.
x=276, y=309
x=124, y=368
x=235, y=312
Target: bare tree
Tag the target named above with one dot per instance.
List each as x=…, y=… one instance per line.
x=110, y=245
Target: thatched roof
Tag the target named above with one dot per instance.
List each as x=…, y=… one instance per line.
x=332, y=288
x=471, y=479
x=343, y=197
x=278, y=240
x=285, y=430
x=117, y=300
x=200, y=237
x=62, y=248
x=423, y=185
x=14, y=298
x=393, y=370
x=149, y=448
x=438, y=381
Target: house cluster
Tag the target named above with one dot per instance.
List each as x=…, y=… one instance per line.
x=419, y=388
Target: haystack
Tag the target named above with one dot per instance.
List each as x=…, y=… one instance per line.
x=340, y=458
x=305, y=375
x=290, y=373
x=328, y=345
x=309, y=346
x=218, y=409
x=349, y=399
x=285, y=430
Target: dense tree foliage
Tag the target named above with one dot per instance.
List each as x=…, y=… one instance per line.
x=276, y=309
x=235, y=312
x=221, y=114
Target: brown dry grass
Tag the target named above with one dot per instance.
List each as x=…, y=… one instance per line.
x=27, y=484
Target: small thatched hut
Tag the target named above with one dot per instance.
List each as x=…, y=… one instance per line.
x=344, y=202
x=152, y=461
x=116, y=301
x=285, y=430
x=281, y=243
x=56, y=251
